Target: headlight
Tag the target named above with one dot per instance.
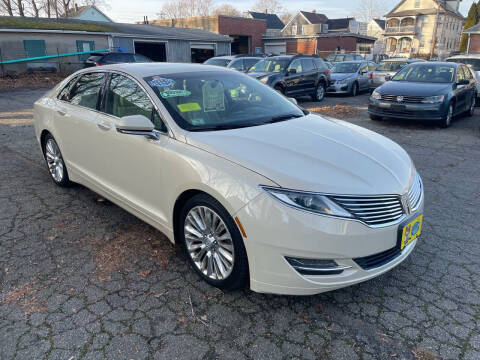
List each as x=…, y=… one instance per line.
x=316, y=203
x=376, y=95
x=433, y=99
x=264, y=79
x=344, y=81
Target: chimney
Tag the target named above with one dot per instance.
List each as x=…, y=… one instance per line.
x=266, y=11
x=314, y=11
x=76, y=6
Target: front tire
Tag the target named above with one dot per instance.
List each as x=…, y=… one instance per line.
x=473, y=104
x=55, y=164
x=447, y=119
x=375, y=117
x=213, y=243
x=354, y=90
x=320, y=92
x=280, y=89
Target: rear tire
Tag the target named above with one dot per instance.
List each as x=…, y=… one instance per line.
x=473, y=104
x=280, y=89
x=375, y=117
x=54, y=160
x=211, y=239
x=447, y=119
x=320, y=92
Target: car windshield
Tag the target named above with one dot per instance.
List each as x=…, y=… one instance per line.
x=429, y=73
x=391, y=66
x=474, y=64
x=211, y=100
x=270, y=66
x=218, y=62
x=345, y=68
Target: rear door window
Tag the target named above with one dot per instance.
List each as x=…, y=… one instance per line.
x=307, y=65
x=86, y=91
x=237, y=64
x=320, y=64
x=297, y=65
x=249, y=63
x=65, y=93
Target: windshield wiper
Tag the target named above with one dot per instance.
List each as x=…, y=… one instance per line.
x=283, y=118
x=221, y=127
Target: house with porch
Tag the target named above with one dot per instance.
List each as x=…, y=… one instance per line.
x=425, y=28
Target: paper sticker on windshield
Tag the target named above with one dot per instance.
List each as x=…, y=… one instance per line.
x=197, y=122
x=189, y=107
x=213, y=96
x=158, y=81
x=277, y=67
x=175, y=93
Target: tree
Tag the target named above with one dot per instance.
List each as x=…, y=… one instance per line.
x=44, y=8
x=473, y=18
x=176, y=9
x=227, y=10
x=370, y=9
x=286, y=17
x=6, y=7
x=270, y=6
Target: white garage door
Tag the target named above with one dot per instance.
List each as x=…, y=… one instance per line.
x=276, y=48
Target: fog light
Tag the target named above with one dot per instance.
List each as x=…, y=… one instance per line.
x=316, y=266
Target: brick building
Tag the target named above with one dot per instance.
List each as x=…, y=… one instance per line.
x=246, y=33
x=473, y=34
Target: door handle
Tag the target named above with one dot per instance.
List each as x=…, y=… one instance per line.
x=104, y=126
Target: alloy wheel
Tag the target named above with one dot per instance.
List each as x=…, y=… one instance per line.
x=54, y=160
x=354, y=89
x=473, y=104
x=320, y=92
x=448, y=119
x=209, y=243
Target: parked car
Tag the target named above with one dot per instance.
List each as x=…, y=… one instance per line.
x=473, y=62
x=98, y=59
x=256, y=190
x=236, y=62
x=386, y=69
x=335, y=58
x=350, y=77
x=294, y=75
x=426, y=91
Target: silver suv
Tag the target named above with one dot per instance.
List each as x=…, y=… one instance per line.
x=388, y=68
x=473, y=62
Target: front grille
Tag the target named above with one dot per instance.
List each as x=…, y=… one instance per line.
x=415, y=193
x=372, y=210
x=406, y=99
x=377, y=260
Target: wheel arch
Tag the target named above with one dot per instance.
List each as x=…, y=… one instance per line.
x=43, y=136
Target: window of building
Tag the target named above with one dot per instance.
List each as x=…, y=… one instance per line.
x=417, y=4
x=294, y=29
x=34, y=48
x=83, y=46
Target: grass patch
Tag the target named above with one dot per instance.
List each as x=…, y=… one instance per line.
x=52, y=24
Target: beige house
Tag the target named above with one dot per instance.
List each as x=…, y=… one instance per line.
x=376, y=29
x=424, y=28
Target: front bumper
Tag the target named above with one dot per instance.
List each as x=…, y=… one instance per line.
x=336, y=88
x=383, y=108
x=275, y=231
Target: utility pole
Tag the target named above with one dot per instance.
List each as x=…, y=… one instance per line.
x=435, y=28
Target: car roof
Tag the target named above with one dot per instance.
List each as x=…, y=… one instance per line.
x=465, y=56
x=353, y=61
x=435, y=63
x=143, y=70
x=227, y=57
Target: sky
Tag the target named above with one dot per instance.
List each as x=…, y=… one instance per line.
x=134, y=10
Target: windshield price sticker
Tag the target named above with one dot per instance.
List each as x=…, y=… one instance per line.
x=161, y=82
x=213, y=96
x=175, y=93
x=189, y=107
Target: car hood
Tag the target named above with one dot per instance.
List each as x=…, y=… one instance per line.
x=314, y=153
x=338, y=76
x=414, y=88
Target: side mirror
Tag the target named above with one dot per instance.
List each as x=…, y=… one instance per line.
x=136, y=125
x=388, y=77
x=463, y=82
x=292, y=71
x=293, y=100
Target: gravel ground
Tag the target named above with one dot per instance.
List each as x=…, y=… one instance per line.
x=82, y=279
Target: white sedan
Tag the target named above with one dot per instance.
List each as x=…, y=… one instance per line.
x=255, y=189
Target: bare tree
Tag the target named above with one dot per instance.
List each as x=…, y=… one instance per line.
x=20, y=8
x=6, y=7
x=286, y=17
x=370, y=9
x=228, y=10
x=176, y=9
x=270, y=6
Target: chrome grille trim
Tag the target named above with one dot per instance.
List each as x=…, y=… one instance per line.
x=406, y=99
x=415, y=193
x=373, y=210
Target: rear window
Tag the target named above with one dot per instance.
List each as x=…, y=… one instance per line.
x=218, y=62
x=95, y=58
x=473, y=64
x=391, y=66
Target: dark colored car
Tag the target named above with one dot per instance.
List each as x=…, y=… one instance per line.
x=98, y=59
x=294, y=75
x=426, y=91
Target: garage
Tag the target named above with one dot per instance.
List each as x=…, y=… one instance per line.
x=279, y=48
x=156, y=51
x=202, y=52
x=240, y=44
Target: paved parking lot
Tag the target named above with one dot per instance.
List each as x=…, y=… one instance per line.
x=82, y=279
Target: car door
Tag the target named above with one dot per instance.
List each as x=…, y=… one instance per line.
x=471, y=86
x=293, y=80
x=131, y=165
x=363, y=76
x=76, y=120
x=310, y=75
